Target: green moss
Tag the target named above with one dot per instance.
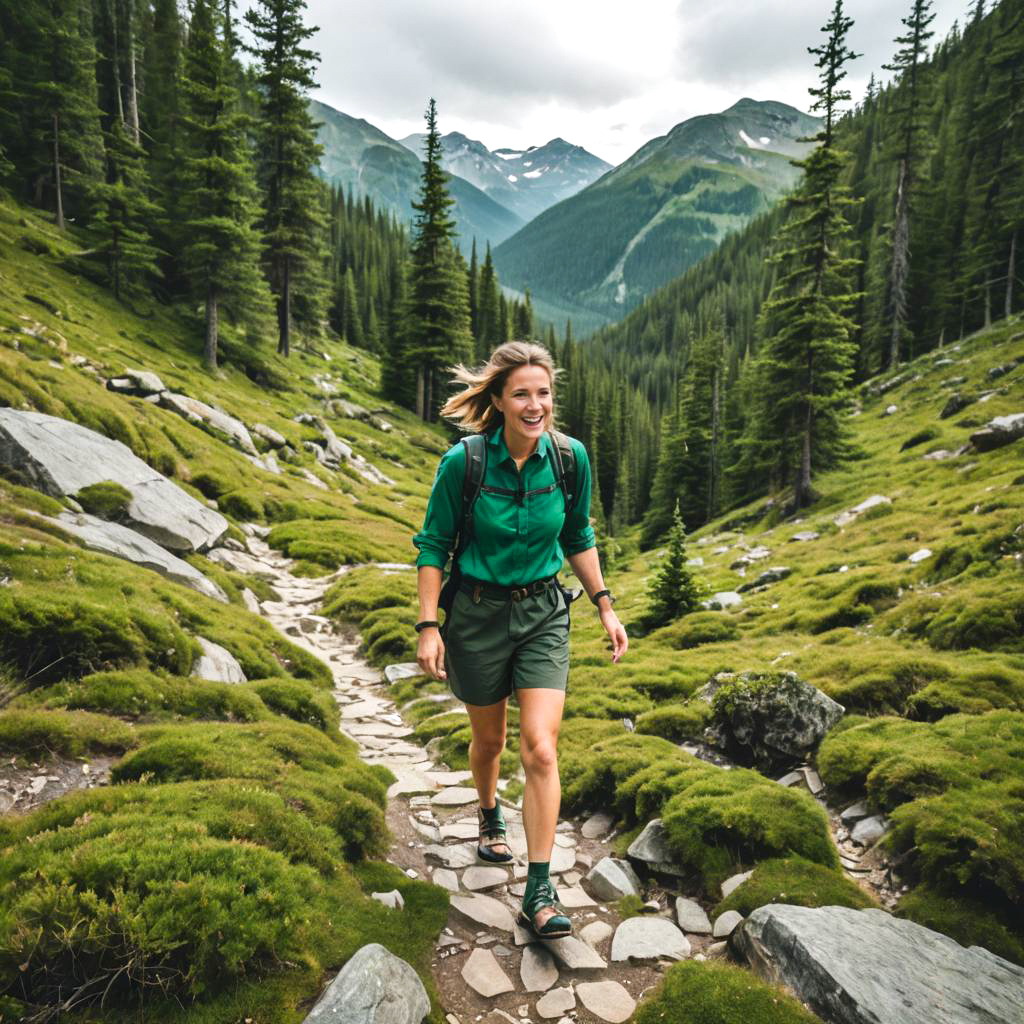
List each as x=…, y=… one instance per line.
x=107, y=499
x=213, y=485
x=299, y=701
x=33, y=500
x=712, y=993
x=242, y=505
x=676, y=722
x=69, y=733
x=928, y=434
x=699, y=628
x=794, y=880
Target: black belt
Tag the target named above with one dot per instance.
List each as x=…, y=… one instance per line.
x=478, y=588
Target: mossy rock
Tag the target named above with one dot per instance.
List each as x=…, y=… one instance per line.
x=107, y=499
x=794, y=880
x=719, y=993
x=38, y=733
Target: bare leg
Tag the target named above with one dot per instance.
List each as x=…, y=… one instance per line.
x=488, y=725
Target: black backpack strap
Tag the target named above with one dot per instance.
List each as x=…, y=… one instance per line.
x=565, y=466
x=472, y=482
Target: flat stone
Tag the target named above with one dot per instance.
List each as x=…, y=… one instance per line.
x=606, y=999
x=611, y=879
x=647, y=938
x=482, y=973
x=425, y=831
x=692, y=917
x=562, y=859
x=725, y=923
x=651, y=849
x=868, y=966
x=597, y=825
x=137, y=382
x=460, y=856
x=446, y=878
x=731, y=883
x=520, y=935
x=595, y=933
x=392, y=899
x=717, y=949
x=791, y=779
x=269, y=434
x=919, y=556
x=574, y=954
x=556, y=1002
x=565, y=841
x=480, y=877
x=854, y=813
x=537, y=969
x=458, y=830
x=216, y=664
x=572, y=896
x=401, y=670
x=868, y=830
x=455, y=796
x=484, y=910
x=374, y=987
x=813, y=780
x=449, y=778
x=209, y=417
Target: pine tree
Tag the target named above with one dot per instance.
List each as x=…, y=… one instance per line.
x=808, y=353
x=673, y=591
x=438, y=331
x=908, y=63
x=218, y=204
x=292, y=222
x=488, y=335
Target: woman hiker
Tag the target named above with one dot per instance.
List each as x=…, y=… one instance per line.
x=508, y=625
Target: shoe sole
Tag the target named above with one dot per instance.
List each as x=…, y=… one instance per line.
x=532, y=928
x=488, y=860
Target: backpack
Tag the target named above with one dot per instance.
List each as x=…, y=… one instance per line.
x=473, y=484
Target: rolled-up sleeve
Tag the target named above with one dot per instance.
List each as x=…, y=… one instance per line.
x=577, y=534
x=441, y=523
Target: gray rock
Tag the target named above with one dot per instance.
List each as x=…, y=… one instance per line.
x=956, y=403
x=1002, y=430
x=722, y=599
x=726, y=923
x=597, y=825
x=805, y=535
x=562, y=859
x=868, y=967
x=374, y=987
x=774, y=719
x=771, y=575
x=595, y=933
x=60, y=458
x=209, y=418
x=480, y=877
x=271, y=436
x=401, y=670
x=606, y=999
x=137, y=382
x=572, y=897
x=484, y=910
x=392, y=899
x=462, y=855
x=455, y=796
x=854, y=813
x=691, y=917
x=482, y=973
x=717, y=949
x=735, y=880
x=650, y=848
x=868, y=830
x=251, y=601
x=446, y=878
x=573, y=954
x=647, y=938
x=555, y=1003
x=611, y=879
x=113, y=539
x=537, y=970
x=844, y=518
x=216, y=664
x=791, y=779
x=919, y=556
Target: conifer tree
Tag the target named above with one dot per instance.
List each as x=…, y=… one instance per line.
x=908, y=63
x=292, y=222
x=218, y=203
x=673, y=591
x=438, y=329
x=489, y=327
x=808, y=352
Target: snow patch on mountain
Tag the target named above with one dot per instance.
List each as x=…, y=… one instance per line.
x=750, y=142
x=534, y=174
x=512, y=177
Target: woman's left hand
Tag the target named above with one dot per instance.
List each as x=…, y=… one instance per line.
x=616, y=631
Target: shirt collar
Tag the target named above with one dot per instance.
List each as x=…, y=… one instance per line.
x=496, y=439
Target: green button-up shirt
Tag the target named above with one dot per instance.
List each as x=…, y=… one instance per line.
x=513, y=542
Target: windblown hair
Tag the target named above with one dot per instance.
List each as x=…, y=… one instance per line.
x=472, y=409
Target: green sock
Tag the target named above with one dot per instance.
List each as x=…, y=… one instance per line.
x=492, y=815
x=536, y=872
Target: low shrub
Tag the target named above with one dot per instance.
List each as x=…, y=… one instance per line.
x=212, y=485
x=242, y=505
x=107, y=499
x=31, y=499
x=988, y=624
x=36, y=733
x=719, y=993
x=797, y=881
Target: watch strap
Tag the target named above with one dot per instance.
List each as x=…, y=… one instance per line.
x=602, y=593
x=420, y=626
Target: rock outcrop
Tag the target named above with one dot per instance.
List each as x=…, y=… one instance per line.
x=59, y=458
x=868, y=967
x=997, y=433
x=209, y=418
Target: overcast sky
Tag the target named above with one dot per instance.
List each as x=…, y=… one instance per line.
x=595, y=72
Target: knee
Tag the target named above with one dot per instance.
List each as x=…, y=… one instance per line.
x=489, y=747
x=539, y=755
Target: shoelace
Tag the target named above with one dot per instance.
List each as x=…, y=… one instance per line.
x=544, y=895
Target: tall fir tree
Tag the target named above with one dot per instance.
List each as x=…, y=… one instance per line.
x=437, y=324
x=488, y=334
x=218, y=204
x=673, y=590
x=293, y=221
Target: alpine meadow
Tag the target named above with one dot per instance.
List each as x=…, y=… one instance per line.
x=791, y=342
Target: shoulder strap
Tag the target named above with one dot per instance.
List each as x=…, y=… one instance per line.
x=565, y=466
x=472, y=481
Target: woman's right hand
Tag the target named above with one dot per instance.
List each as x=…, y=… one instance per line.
x=430, y=653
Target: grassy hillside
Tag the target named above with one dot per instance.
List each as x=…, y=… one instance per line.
x=226, y=900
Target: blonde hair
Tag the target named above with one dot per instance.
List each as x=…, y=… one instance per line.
x=472, y=409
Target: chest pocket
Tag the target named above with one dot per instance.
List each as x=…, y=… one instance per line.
x=507, y=515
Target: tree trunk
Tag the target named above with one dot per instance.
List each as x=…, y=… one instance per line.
x=56, y=171
x=1011, y=273
x=284, y=311
x=429, y=397
x=420, y=374
x=133, y=96
x=115, y=59
x=713, y=462
x=899, y=268
x=210, y=353
x=803, y=486
x=988, y=300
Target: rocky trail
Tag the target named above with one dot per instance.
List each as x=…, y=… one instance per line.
x=485, y=963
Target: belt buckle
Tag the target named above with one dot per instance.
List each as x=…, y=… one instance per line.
x=476, y=594
x=539, y=586
x=519, y=593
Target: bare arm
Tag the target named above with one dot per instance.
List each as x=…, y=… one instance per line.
x=430, y=647
x=587, y=567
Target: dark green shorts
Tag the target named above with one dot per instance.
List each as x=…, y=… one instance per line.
x=496, y=645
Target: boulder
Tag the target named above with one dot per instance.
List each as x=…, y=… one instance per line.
x=137, y=382
x=771, y=575
x=692, y=917
x=608, y=1000
x=113, y=539
x=59, y=458
x=482, y=973
x=868, y=830
x=374, y=987
x=723, y=599
x=648, y=938
x=868, y=967
x=216, y=664
x=1001, y=431
x=650, y=848
x=611, y=879
x=956, y=403
x=844, y=518
x=209, y=418
x=919, y=555
x=597, y=825
x=268, y=434
x=770, y=720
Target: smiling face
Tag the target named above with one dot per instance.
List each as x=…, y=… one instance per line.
x=527, y=403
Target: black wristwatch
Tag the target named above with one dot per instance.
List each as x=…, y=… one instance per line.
x=602, y=593
x=420, y=626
